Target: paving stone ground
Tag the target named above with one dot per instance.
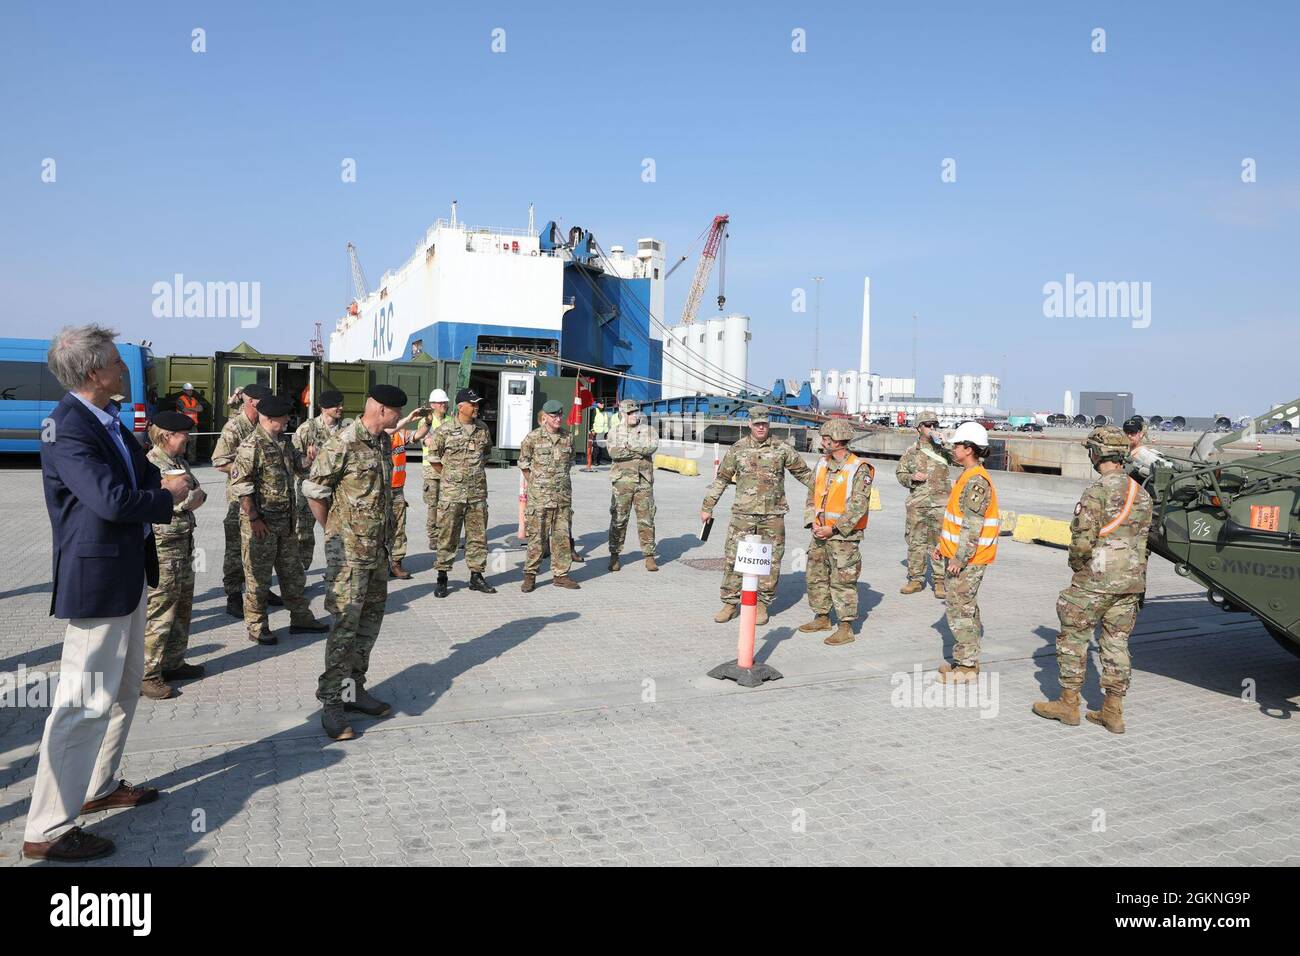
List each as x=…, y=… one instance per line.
x=578, y=726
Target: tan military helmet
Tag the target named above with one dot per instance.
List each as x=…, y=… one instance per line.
x=1107, y=443
x=837, y=429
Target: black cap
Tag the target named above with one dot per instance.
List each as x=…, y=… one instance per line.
x=331, y=399
x=389, y=395
x=1133, y=425
x=275, y=406
x=256, y=391
x=173, y=421
x=467, y=395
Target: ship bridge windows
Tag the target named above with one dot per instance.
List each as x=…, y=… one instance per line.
x=510, y=344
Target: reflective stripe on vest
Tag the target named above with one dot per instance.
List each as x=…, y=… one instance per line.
x=829, y=502
x=399, y=459
x=986, y=547
x=1120, y=518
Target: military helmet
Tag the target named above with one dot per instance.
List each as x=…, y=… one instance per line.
x=1107, y=443
x=837, y=429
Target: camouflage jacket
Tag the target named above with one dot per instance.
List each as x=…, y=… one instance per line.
x=316, y=431
x=353, y=472
x=548, y=459
x=974, y=503
x=933, y=492
x=266, y=468
x=434, y=422
x=759, y=473
x=632, y=451
x=236, y=429
x=462, y=450
x=1108, y=543
x=182, y=523
x=856, y=505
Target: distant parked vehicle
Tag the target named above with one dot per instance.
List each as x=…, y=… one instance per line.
x=1030, y=427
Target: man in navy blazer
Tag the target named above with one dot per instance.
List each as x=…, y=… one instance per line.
x=103, y=496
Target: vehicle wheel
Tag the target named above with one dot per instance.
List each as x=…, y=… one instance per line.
x=1286, y=641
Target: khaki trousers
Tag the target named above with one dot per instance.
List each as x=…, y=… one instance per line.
x=90, y=716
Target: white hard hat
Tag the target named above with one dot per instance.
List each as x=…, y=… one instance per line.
x=188, y=387
x=972, y=432
x=438, y=395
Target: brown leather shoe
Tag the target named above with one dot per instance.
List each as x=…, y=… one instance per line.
x=73, y=847
x=124, y=796
x=564, y=581
x=155, y=688
x=396, y=570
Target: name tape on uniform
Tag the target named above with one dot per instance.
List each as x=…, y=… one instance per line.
x=753, y=557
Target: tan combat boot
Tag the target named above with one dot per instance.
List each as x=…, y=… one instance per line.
x=940, y=591
x=911, y=587
x=1111, y=715
x=155, y=688
x=1065, y=709
x=530, y=582
x=821, y=622
x=650, y=563
x=957, y=673
x=614, y=562
x=564, y=581
x=726, y=614
x=843, y=635
x=761, y=617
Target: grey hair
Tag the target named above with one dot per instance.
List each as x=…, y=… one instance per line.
x=78, y=350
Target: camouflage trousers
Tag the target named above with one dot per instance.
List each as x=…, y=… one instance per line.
x=397, y=530
x=356, y=601
x=276, y=551
x=232, y=564
x=171, y=603
x=431, y=486
x=1080, y=612
x=305, y=527
x=964, y=614
x=921, y=527
x=771, y=528
x=624, y=497
x=543, y=526
x=832, y=576
x=473, y=517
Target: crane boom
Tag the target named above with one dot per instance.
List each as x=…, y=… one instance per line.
x=358, y=277
x=707, y=257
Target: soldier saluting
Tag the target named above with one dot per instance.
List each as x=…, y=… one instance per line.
x=1108, y=555
x=631, y=444
x=923, y=471
x=757, y=464
x=262, y=479
x=545, y=458
x=350, y=493
x=457, y=454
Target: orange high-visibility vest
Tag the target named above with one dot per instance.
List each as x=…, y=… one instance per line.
x=399, y=459
x=986, y=548
x=830, y=498
x=189, y=407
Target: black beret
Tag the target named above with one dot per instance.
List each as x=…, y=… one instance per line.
x=256, y=391
x=173, y=421
x=275, y=406
x=389, y=395
x=330, y=399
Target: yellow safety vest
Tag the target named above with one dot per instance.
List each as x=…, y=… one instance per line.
x=831, y=497
x=986, y=548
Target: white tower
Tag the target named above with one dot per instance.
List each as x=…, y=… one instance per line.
x=1068, y=404
x=864, y=362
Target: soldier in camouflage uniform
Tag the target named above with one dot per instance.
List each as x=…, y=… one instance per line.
x=350, y=493
x=838, y=505
x=242, y=421
x=757, y=464
x=631, y=444
x=1108, y=555
x=167, y=627
x=262, y=479
x=308, y=440
x=545, y=458
x=923, y=471
x=969, y=543
x=457, y=452
x=435, y=413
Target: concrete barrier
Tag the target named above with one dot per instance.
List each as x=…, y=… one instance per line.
x=683, y=466
x=1039, y=530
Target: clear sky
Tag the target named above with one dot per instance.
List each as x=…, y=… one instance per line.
x=1117, y=166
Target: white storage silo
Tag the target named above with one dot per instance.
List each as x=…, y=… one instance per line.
x=950, y=389
x=669, y=373
x=849, y=391
x=715, y=354
x=831, y=390
x=815, y=382
x=988, y=393
x=736, y=348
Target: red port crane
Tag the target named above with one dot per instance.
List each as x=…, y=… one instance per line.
x=707, y=257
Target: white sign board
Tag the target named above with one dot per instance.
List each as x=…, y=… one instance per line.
x=753, y=557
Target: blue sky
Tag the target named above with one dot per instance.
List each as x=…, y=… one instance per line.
x=1118, y=166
